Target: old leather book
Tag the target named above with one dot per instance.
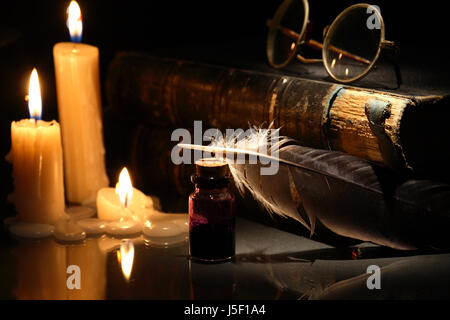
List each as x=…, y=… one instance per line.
x=396, y=130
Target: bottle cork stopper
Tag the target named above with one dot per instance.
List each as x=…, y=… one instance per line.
x=211, y=168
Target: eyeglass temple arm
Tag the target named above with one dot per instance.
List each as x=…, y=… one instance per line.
x=307, y=60
x=317, y=45
x=286, y=31
x=394, y=51
x=398, y=74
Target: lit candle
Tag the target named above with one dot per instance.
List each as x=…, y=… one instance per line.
x=36, y=155
x=79, y=107
x=124, y=201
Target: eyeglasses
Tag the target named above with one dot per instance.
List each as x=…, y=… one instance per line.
x=351, y=46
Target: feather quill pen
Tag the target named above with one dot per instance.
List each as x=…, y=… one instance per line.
x=348, y=195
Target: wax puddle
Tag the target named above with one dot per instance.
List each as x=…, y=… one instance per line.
x=67, y=230
x=166, y=229
x=31, y=230
x=124, y=227
x=93, y=226
x=159, y=228
x=165, y=242
x=80, y=212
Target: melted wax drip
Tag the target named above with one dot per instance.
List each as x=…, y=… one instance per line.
x=158, y=228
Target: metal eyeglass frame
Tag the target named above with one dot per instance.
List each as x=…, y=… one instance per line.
x=302, y=39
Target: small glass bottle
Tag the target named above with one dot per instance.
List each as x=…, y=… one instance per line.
x=211, y=213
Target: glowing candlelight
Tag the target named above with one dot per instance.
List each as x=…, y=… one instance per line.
x=74, y=21
x=124, y=188
x=124, y=201
x=36, y=155
x=80, y=113
x=34, y=96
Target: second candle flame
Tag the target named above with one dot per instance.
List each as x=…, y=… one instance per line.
x=34, y=96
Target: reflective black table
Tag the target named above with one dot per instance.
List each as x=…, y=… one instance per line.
x=269, y=264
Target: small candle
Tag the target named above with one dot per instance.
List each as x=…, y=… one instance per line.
x=122, y=202
x=36, y=155
x=79, y=107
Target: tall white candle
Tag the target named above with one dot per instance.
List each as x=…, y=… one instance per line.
x=80, y=114
x=36, y=155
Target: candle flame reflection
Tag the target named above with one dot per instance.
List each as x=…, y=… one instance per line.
x=125, y=256
x=74, y=21
x=124, y=188
x=34, y=96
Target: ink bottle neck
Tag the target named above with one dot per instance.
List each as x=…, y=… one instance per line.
x=211, y=173
x=210, y=183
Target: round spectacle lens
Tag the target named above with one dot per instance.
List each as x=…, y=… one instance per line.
x=285, y=31
x=353, y=42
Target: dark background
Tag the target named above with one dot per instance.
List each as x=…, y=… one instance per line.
x=29, y=29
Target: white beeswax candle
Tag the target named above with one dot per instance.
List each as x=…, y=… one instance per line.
x=80, y=114
x=36, y=155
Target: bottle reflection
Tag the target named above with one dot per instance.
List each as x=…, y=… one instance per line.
x=209, y=281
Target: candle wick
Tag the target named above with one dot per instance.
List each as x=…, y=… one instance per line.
x=126, y=200
x=74, y=47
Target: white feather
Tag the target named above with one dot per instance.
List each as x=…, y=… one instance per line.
x=256, y=142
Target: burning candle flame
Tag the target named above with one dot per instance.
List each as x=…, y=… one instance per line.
x=74, y=21
x=124, y=188
x=125, y=256
x=34, y=96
